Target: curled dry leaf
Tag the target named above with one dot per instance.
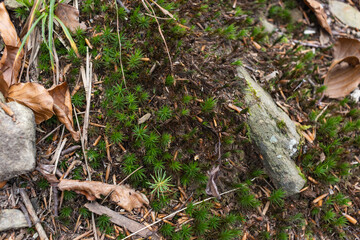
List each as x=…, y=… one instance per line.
x=69, y=15
x=10, y=69
x=344, y=73
x=4, y=88
x=62, y=107
x=124, y=196
x=51, y=178
x=320, y=14
x=345, y=47
x=211, y=187
x=35, y=97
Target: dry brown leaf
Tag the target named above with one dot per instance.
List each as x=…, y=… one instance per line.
x=63, y=108
x=4, y=88
x=342, y=78
x=344, y=73
x=35, y=97
x=124, y=196
x=69, y=15
x=12, y=42
x=345, y=47
x=319, y=13
x=51, y=178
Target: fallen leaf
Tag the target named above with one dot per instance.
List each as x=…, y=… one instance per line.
x=211, y=188
x=69, y=15
x=122, y=195
x=345, y=47
x=343, y=76
x=342, y=79
x=324, y=37
x=8, y=66
x=63, y=108
x=51, y=178
x=4, y=87
x=35, y=97
x=320, y=14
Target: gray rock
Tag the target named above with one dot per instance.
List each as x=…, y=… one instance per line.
x=274, y=134
x=268, y=27
x=12, y=4
x=12, y=219
x=345, y=13
x=17, y=141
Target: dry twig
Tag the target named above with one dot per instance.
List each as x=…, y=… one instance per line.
x=33, y=215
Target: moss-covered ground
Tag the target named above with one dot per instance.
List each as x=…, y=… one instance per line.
x=169, y=154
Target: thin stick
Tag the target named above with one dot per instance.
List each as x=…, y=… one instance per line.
x=26, y=214
x=118, y=34
x=83, y=235
x=123, y=6
x=57, y=154
x=160, y=31
x=49, y=134
x=82, y=146
x=130, y=175
x=33, y=215
x=58, y=150
x=176, y=212
x=72, y=165
x=87, y=84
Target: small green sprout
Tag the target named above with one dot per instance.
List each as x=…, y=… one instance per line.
x=161, y=183
x=277, y=197
x=208, y=105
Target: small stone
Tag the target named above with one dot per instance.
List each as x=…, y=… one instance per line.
x=268, y=27
x=345, y=13
x=12, y=219
x=17, y=141
x=355, y=95
x=309, y=31
x=12, y=4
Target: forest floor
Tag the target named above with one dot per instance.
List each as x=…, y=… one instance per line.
x=188, y=85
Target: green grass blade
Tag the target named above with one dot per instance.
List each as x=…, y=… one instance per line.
x=68, y=35
x=50, y=31
x=27, y=36
x=46, y=43
x=43, y=29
